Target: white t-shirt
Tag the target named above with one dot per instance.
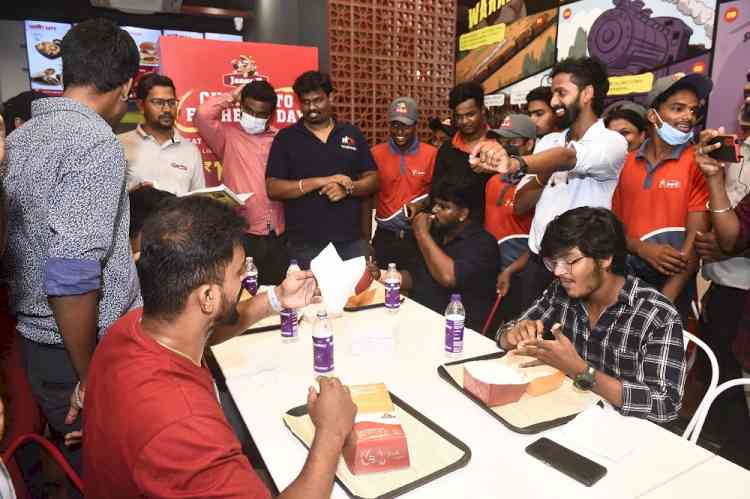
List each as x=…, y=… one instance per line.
x=7, y=491
x=600, y=156
x=734, y=272
x=175, y=166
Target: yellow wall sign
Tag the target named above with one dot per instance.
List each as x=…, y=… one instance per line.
x=631, y=84
x=482, y=37
x=484, y=8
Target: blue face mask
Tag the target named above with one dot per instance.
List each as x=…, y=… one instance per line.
x=672, y=135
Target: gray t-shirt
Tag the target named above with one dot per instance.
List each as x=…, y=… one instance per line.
x=68, y=217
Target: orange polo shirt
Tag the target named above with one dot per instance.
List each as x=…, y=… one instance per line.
x=653, y=201
x=510, y=231
x=404, y=176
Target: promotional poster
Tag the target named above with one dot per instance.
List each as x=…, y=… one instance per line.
x=223, y=67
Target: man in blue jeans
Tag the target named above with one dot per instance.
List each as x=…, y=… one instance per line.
x=321, y=169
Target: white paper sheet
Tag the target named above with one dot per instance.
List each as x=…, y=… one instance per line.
x=603, y=432
x=336, y=278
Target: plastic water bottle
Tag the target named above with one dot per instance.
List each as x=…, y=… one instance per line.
x=250, y=282
x=455, y=315
x=322, y=336
x=289, y=332
x=392, y=289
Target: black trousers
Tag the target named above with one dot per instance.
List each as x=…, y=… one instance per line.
x=534, y=279
x=395, y=247
x=270, y=256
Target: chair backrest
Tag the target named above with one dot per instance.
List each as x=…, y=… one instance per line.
x=53, y=451
x=709, y=399
x=688, y=337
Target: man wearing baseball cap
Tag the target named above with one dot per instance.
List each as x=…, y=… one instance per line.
x=661, y=194
x=405, y=167
x=517, y=134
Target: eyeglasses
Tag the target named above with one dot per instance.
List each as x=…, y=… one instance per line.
x=566, y=265
x=163, y=102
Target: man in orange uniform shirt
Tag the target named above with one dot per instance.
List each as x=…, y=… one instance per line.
x=405, y=167
x=661, y=195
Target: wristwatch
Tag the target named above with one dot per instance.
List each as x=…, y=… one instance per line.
x=585, y=380
x=522, y=166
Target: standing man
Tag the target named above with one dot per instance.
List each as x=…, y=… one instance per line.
x=244, y=157
x=441, y=131
x=539, y=108
x=466, y=100
x=71, y=269
x=321, y=169
x=578, y=166
x=405, y=167
x=517, y=133
x=156, y=153
x=629, y=120
x=661, y=195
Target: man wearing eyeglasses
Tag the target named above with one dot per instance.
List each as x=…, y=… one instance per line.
x=610, y=332
x=156, y=153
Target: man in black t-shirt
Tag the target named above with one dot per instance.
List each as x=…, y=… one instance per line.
x=321, y=169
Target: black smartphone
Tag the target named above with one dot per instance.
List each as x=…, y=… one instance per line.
x=566, y=461
x=729, y=152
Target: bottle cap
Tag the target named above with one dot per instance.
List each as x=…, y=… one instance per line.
x=391, y=266
x=293, y=262
x=456, y=297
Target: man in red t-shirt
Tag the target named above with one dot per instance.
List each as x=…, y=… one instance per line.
x=153, y=426
x=661, y=195
x=405, y=167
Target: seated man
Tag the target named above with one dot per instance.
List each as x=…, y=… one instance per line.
x=456, y=256
x=153, y=425
x=144, y=201
x=613, y=334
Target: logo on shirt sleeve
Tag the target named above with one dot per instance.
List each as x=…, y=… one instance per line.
x=348, y=143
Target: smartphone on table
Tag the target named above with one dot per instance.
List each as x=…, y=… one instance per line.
x=571, y=463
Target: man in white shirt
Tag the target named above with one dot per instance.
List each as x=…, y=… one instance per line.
x=156, y=153
x=578, y=167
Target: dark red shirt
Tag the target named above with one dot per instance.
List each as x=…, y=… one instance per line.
x=153, y=426
x=742, y=340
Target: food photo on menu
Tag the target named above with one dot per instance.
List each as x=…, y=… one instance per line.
x=44, y=51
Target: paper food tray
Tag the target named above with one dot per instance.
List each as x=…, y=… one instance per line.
x=433, y=452
x=530, y=414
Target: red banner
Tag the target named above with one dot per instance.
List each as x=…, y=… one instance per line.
x=202, y=68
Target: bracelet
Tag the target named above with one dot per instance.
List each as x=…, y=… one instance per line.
x=722, y=210
x=300, y=187
x=273, y=300
x=77, y=396
x=536, y=177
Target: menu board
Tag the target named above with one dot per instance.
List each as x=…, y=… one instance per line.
x=223, y=37
x=147, y=41
x=44, y=49
x=182, y=34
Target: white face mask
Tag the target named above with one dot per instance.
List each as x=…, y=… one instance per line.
x=251, y=124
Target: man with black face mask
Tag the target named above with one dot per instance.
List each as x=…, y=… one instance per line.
x=661, y=195
x=577, y=167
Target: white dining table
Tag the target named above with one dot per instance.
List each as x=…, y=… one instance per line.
x=266, y=378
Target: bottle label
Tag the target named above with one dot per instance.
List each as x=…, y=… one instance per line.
x=392, y=295
x=454, y=335
x=250, y=283
x=323, y=354
x=288, y=323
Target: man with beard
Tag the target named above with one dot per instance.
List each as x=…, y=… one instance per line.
x=70, y=266
x=456, y=256
x=156, y=153
x=154, y=427
x=321, y=169
x=466, y=100
x=612, y=334
x=243, y=152
x=661, y=195
x=577, y=167
x=405, y=167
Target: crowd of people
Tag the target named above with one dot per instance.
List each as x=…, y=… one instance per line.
x=587, y=224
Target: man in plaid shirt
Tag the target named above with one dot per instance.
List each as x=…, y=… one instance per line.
x=613, y=334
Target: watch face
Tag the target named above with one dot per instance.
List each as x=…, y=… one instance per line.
x=585, y=380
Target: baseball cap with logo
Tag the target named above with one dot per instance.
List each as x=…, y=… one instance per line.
x=403, y=110
x=516, y=126
x=698, y=83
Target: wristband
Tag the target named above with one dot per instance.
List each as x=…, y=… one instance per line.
x=722, y=210
x=77, y=396
x=273, y=300
x=300, y=187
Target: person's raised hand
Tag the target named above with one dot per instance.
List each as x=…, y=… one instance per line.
x=708, y=165
x=559, y=353
x=332, y=410
x=422, y=222
x=523, y=332
x=488, y=156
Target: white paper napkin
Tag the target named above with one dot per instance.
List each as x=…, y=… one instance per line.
x=336, y=278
